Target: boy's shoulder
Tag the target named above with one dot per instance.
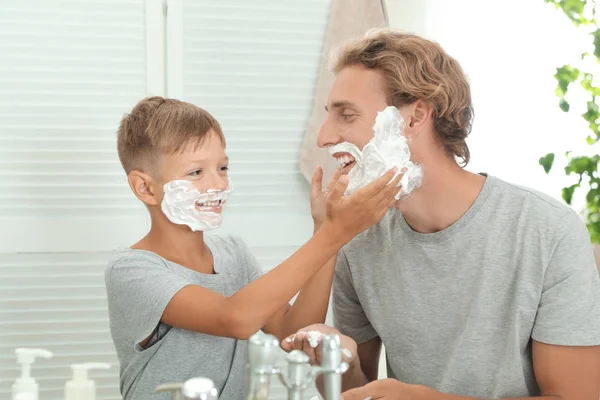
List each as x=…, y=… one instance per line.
x=125, y=258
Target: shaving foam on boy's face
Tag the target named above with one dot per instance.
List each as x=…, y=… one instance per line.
x=387, y=148
x=183, y=204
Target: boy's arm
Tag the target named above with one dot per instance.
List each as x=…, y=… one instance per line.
x=309, y=308
x=199, y=309
x=312, y=302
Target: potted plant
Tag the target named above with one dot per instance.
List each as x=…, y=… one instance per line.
x=571, y=77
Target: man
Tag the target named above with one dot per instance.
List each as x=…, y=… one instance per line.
x=477, y=288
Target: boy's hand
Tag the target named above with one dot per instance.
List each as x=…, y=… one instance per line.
x=347, y=216
x=318, y=195
x=309, y=341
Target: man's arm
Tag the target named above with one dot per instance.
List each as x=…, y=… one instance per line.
x=562, y=373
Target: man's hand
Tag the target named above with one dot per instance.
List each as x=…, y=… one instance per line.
x=387, y=389
x=308, y=340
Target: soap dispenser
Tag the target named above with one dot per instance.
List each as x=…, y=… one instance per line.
x=80, y=387
x=25, y=387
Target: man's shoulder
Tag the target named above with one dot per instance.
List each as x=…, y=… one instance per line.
x=510, y=201
x=518, y=193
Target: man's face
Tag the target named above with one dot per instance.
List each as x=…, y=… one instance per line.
x=357, y=95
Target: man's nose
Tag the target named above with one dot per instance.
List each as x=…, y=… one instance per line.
x=327, y=135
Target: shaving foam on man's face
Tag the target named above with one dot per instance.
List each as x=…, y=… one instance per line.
x=183, y=204
x=387, y=148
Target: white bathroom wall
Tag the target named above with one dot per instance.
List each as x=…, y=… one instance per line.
x=68, y=71
x=510, y=51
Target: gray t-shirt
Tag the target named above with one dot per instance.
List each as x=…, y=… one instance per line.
x=140, y=284
x=456, y=310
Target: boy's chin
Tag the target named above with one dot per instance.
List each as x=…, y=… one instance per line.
x=216, y=209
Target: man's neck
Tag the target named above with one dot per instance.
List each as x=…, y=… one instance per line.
x=446, y=194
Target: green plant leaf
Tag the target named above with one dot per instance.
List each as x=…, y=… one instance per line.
x=562, y=103
x=567, y=193
x=593, y=196
x=594, y=230
x=587, y=83
x=582, y=165
x=596, y=35
x=590, y=140
x=547, y=162
x=565, y=75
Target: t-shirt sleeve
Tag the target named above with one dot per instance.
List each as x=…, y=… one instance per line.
x=139, y=288
x=348, y=315
x=252, y=266
x=569, y=309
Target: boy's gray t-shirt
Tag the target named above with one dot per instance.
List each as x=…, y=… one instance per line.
x=456, y=310
x=140, y=284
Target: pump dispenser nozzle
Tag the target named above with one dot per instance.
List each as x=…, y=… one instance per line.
x=80, y=387
x=25, y=387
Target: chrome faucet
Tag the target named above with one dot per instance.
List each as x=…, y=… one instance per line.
x=296, y=376
x=299, y=374
x=192, y=389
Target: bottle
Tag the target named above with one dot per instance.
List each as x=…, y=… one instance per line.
x=199, y=389
x=173, y=388
x=80, y=387
x=25, y=387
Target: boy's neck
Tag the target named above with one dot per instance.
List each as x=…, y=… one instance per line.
x=177, y=243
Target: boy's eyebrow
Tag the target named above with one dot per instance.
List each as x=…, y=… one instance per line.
x=340, y=104
x=200, y=161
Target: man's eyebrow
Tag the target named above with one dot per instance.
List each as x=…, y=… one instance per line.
x=340, y=104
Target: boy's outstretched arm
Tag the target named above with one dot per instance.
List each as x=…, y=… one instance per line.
x=250, y=309
x=312, y=302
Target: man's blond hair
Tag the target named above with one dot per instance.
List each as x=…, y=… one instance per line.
x=417, y=69
x=158, y=126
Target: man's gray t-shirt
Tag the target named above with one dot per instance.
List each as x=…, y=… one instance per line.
x=140, y=284
x=456, y=310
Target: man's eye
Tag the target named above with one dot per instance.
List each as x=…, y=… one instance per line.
x=225, y=168
x=347, y=117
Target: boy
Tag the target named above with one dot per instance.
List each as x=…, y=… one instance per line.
x=182, y=304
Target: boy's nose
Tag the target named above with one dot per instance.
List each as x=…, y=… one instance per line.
x=219, y=183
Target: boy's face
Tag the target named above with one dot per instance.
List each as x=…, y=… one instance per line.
x=205, y=165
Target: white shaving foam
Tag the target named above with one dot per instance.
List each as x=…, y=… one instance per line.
x=347, y=353
x=180, y=205
x=387, y=149
x=314, y=337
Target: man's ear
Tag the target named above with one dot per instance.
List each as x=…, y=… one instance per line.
x=144, y=187
x=419, y=114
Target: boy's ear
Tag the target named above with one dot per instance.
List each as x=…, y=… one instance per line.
x=144, y=187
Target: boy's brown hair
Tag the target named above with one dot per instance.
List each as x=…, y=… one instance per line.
x=417, y=69
x=157, y=126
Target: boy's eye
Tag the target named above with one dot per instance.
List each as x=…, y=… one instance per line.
x=195, y=173
x=225, y=168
